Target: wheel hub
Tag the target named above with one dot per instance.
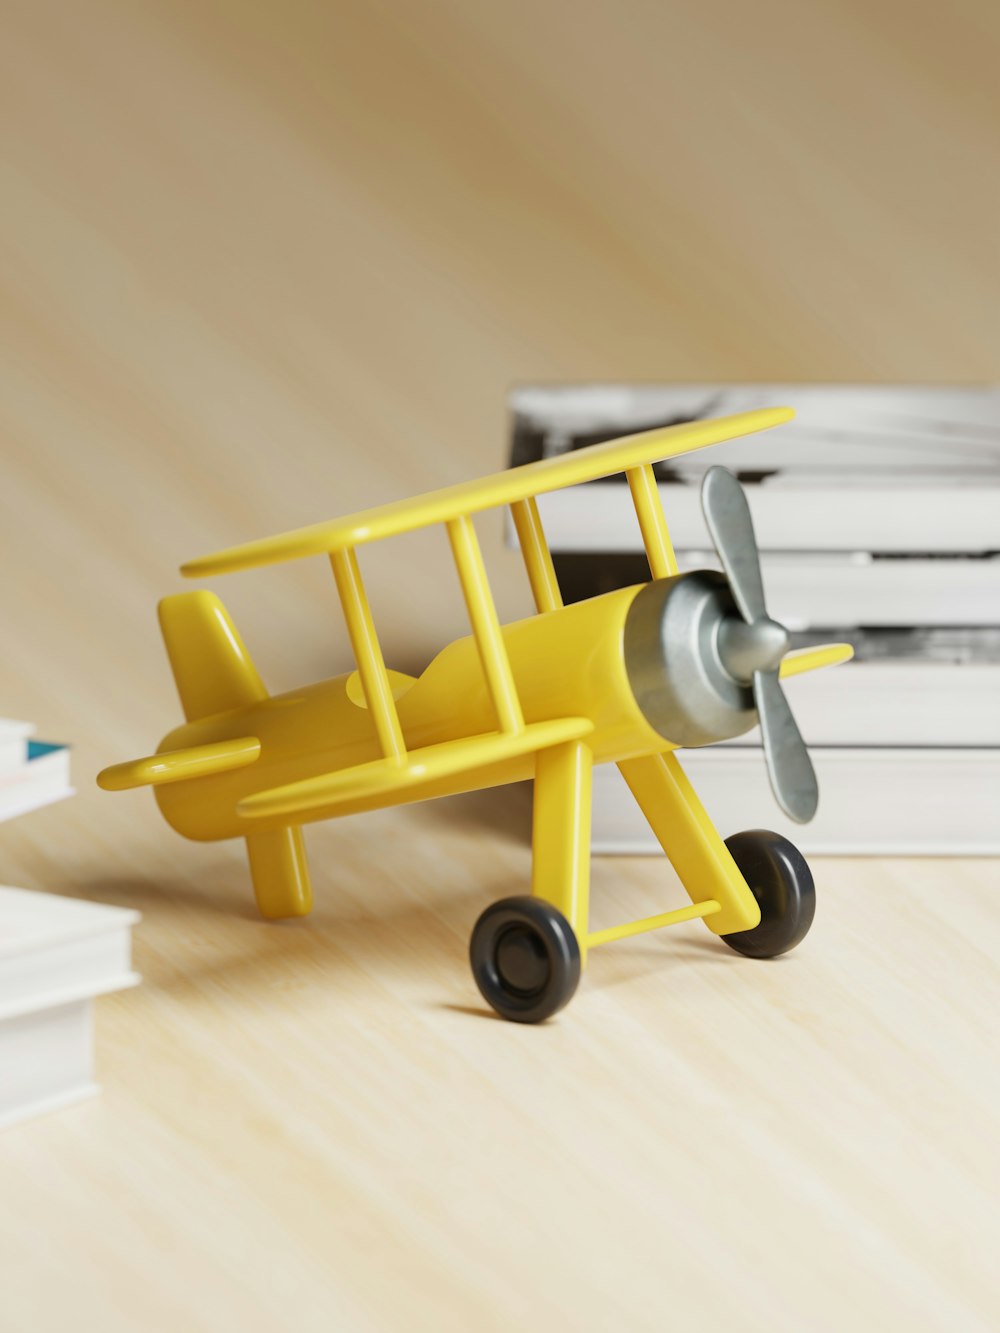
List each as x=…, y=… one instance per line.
x=522, y=960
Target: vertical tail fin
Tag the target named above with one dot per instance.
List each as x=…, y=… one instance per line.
x=214, y=673
x=211, y=666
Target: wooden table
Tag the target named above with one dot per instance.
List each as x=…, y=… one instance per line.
x=318, y=1125
x=261, y=264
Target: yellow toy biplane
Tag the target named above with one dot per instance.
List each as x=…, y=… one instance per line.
x=626, y=677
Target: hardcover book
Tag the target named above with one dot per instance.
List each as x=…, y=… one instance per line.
x=56, y=956
x=877, y=514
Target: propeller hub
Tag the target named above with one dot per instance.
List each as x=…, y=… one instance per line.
x=750, y=645
x=744, y=648
x=685, y=691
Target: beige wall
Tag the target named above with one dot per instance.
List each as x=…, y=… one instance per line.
x=261, y=264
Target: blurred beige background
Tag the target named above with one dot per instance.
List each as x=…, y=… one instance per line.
x=263, y=264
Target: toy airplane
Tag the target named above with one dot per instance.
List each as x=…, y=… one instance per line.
x=627, y=677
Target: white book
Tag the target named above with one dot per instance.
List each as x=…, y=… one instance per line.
x=877, y=513
x=42, y=779
x=821, y=588
x=46, y=1061
x=14, y=738
x=876, y=802
x=895, y=469
x=895, y=701
x=790, y=516
x=56, y=955
x=829, y=589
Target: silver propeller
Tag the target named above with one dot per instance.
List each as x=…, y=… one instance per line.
x=728, y=517
x=751, y=648
x=793, y=779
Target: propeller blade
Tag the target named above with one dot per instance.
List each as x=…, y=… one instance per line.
x=728, y=517
x=793, y=779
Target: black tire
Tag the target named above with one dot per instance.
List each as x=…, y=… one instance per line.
x=782, y=883
x=525, y=959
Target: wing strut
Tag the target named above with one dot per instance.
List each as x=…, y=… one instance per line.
x=368, y=654
x=652, y=521
x=536, y=554
x=485, y=624
x=652, y=524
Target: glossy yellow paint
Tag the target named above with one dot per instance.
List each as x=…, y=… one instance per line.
x=546, y=697
x=668, y=800
x=319, y=797
x=567, y=664
x=212, y=669
x=503, y=488
x=379, y=698
x=692, y=843
x=693, y=912
x=280, y=873
x=195, y=761
x=811, y=659
x=652, y=521
x=485, y=624
x=399, y=683
x=535, y=552
x=560, y=850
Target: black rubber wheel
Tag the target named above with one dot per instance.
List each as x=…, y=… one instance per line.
x=525, y=959
x=782, y=883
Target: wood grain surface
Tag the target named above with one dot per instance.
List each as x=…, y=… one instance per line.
x=263, y=264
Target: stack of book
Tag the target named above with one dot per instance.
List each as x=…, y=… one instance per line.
x=32, y=773
x=56, y=954
x=877, y=513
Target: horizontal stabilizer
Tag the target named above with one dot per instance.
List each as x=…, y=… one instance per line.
x=196, y=761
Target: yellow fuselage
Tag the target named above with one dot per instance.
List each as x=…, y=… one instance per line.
x=566, y=663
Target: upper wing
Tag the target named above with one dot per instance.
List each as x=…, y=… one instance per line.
x=503, y=488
